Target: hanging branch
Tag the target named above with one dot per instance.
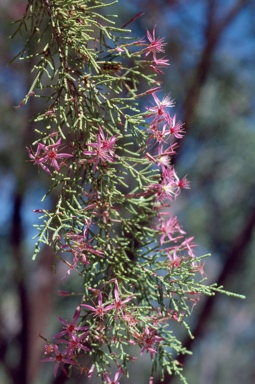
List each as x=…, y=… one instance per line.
x=110, y=166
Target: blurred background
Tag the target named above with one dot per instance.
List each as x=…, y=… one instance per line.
x=211, y=48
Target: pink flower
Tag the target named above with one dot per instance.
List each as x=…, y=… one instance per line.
x=184, y=183
x=199, y=267
x=170, y=185
x=49, y=348
x=160, y=108
x=103, y=149
x=158, y=63
x=168, y=228
x=188, y=245
x=116, y=377
x=119, y=304
x=180, y=184
x=130, y=319
x=80, y=248
x=155, y=46
x=175, y=260
x=59, y=359
x=176, y=129
x=75, y=343
x=158, y=134
x=166, y=189
x=163, y=158
x=48, y=154
x=100, y=309
x=161, y=62
x=78, y=245
x=149, y=340
x=70, y=327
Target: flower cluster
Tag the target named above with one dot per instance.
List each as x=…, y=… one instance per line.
x=75, y=340
x=103, y=149
x=156, y=45
x=112, y=225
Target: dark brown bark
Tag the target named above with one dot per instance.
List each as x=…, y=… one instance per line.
x=18, y=372
x=40, y=307
x=213, y=33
